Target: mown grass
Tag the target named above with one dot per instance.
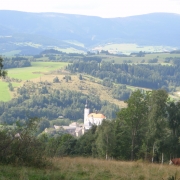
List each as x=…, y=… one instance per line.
x=92, y=169
x=4, y=92
x=36, y=70
x=160, y=56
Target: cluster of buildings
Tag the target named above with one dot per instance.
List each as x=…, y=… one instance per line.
x=90, y=119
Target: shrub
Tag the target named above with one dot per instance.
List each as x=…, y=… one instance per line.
x=19, y=146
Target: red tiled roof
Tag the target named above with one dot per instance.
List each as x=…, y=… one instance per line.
x=94, y=115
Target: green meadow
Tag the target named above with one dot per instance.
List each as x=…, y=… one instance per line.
x=35, y=71
x=160, y=56
x=4, y=92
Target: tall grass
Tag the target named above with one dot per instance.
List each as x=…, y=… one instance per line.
x=93, y=169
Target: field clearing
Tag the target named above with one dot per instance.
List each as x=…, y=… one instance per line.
x=36, y=70
x=92, y=169
x=70, y=50
x=129, y=48
x=75, y=43
x=4, y=92
x=11, y=53
x=84, y=86
x=160, y=56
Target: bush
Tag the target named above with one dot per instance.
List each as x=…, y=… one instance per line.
x=19, y=146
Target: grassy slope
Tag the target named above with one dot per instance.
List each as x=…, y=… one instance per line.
x=4, y=92
x=85, y=86
x=91, y=169
x=159, y=56
x=36, y=70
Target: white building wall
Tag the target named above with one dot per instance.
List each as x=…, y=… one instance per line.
x=86, y=113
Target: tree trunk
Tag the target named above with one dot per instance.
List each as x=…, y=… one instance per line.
x=132, y=149
x=153, y=153
x=107, y=146
x=162, y=161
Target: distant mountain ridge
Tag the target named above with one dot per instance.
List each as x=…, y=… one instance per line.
x=52, y=29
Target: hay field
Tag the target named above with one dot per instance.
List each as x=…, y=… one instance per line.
x=88, y=168
x=79, y=168
x=36, y=70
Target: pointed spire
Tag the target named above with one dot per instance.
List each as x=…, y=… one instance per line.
x=86, y=104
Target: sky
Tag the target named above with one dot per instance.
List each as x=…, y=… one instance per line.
x=101, y=8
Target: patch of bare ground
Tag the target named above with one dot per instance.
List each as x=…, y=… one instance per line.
x=84, y=86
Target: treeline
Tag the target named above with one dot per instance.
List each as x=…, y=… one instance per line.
x=35, y=100
x=141, y=75
x=148, y=129
x=16, y=62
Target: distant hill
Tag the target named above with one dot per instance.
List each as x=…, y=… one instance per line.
x=56, y=29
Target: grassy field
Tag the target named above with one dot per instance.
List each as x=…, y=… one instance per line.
x=128, y=48
x=11, y=53
x=85, y=86
x=4, y=92
x=36, y=70
x=160, y=56
x=92, y=169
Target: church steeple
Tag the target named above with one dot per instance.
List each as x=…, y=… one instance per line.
x=86, y=105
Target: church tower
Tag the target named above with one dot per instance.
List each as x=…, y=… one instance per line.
x=86, y=113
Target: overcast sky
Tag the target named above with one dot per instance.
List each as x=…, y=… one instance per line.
x=102, y=8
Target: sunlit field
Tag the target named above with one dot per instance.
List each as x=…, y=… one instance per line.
x=92, y=169
x=35, y=71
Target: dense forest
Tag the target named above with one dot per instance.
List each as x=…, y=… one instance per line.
x=16, y=62
x=40, y=100
x=141, y=75
x=148, y=129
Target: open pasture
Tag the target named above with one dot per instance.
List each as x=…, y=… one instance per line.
x=4, y=92
x=36, y=70
x=126, y=48
x=92, y=169
x=160, y=56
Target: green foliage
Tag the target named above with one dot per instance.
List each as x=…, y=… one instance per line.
x=121, y=92
x=10, y=87
x=56, y=80
x=3, y=73
x=50, y=103
x=85, y=145
x=105, y=141
x=19, y=146
x=58, y=146
x=141, y=75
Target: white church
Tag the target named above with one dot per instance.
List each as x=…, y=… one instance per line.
x=90, y=119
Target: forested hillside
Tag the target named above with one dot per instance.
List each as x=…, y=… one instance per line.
x=153, y=76
x=42, y=101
